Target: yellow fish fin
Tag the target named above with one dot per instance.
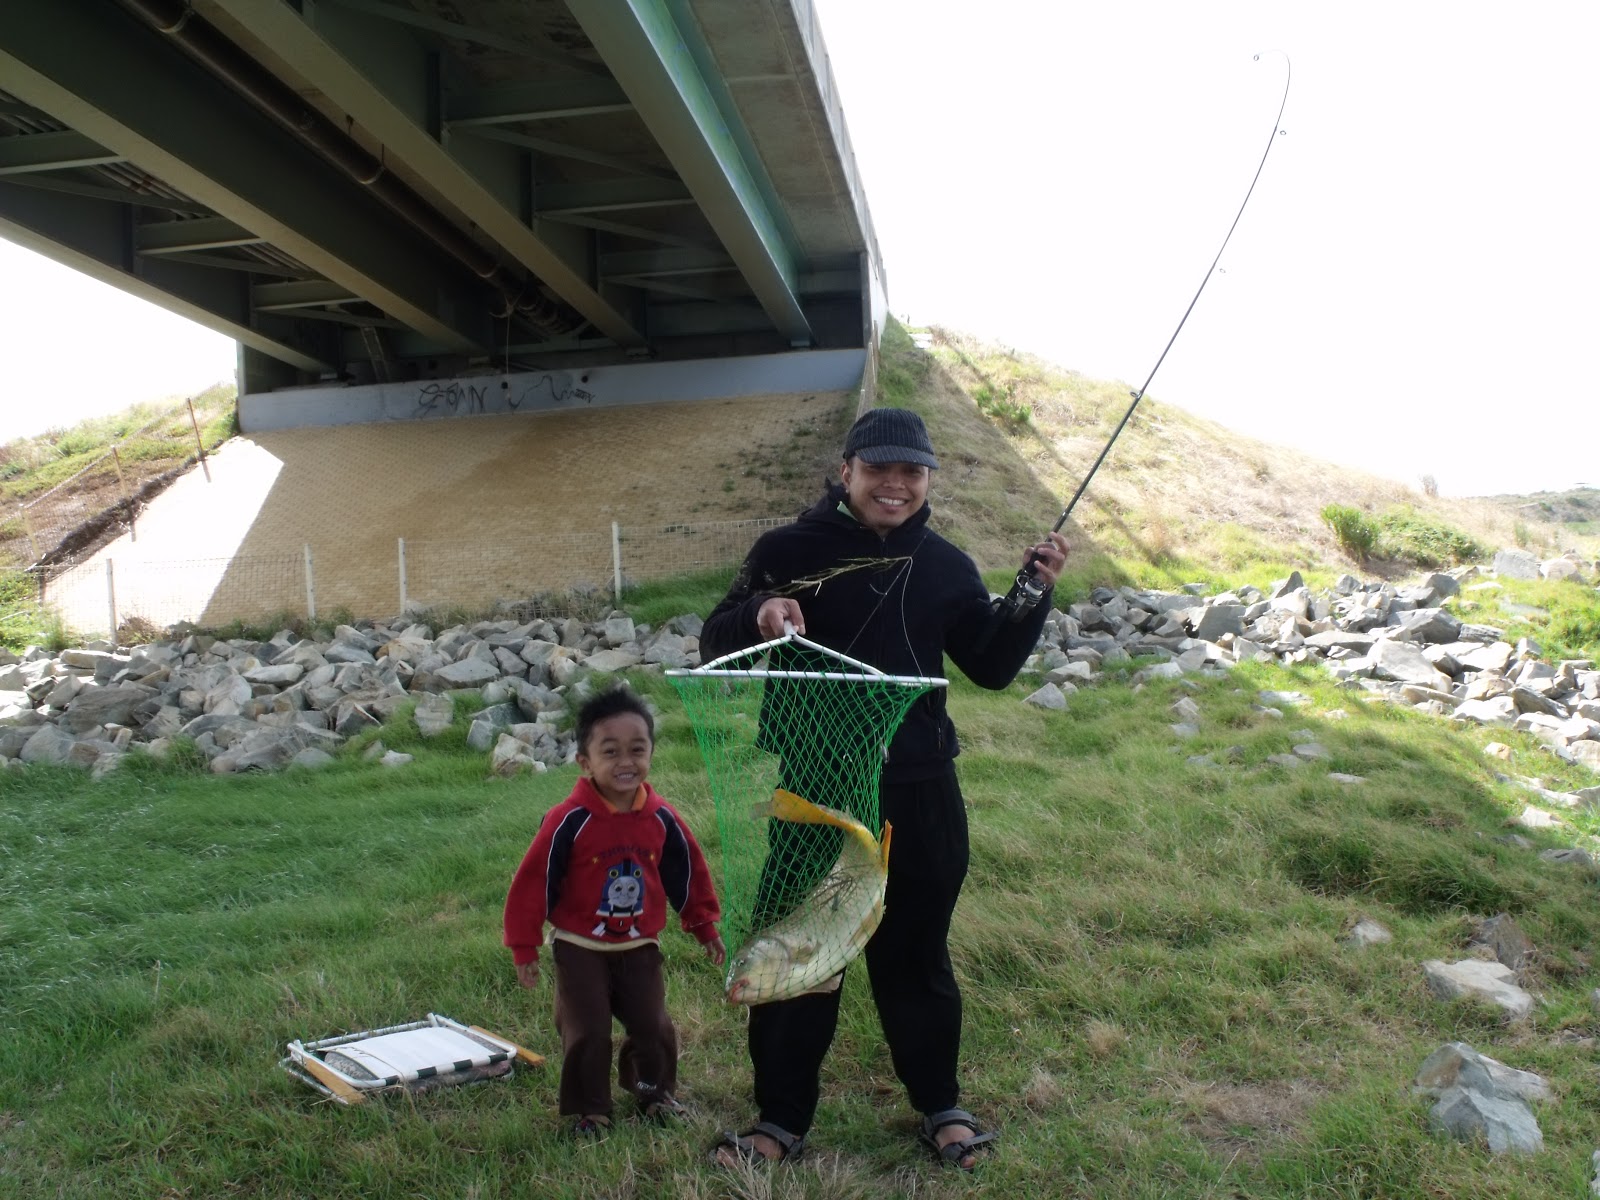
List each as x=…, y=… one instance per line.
x=787, y=806
x=883, y=846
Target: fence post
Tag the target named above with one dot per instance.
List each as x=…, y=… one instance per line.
x=111, y=599
x=311, y=588
x=199, y=445
x=402, y=542
x=122, y=486
x=616, y=562
x=27, y=528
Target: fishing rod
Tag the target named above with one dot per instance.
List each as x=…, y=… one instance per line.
x=1026, y=591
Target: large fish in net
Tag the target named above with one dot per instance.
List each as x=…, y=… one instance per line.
x=828, y=926
x=810, y=727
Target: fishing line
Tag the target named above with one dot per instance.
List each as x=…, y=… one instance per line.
x=1026, y=590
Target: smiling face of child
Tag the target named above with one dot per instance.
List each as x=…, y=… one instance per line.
x=617, y=758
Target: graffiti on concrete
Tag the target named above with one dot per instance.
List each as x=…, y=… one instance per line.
x=449, y=398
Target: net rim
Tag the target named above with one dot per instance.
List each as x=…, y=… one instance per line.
x=834, y=676
x=867, y=672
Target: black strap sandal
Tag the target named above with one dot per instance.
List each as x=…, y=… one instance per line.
x=952, y=1154
x=790, y=1146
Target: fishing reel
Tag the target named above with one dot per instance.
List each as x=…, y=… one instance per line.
x=1025, y=594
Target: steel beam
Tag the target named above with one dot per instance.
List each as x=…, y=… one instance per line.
x=176, y=237
x=29, y=152
x=648, y=46
x=95, y=68
x=540, y=101
x=332, y=58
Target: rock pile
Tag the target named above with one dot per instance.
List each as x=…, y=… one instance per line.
x=265, y=705
x=1401, y=643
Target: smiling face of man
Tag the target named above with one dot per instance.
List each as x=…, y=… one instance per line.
x=884, y=496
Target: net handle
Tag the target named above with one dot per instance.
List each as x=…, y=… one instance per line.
x=790, y=637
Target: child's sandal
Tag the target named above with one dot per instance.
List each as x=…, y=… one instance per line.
x=663, y=1109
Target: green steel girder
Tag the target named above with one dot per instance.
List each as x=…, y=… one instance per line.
x=651, y=47
x=537, y=101
x=177, y=237
x=381, y=82
x=59, y=151
x=468, y=33
x=556, y=200
x=95, y=68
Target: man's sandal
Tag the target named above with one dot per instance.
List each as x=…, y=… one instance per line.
x=951, y=1154
x=591, y=1127
x=743, y=1145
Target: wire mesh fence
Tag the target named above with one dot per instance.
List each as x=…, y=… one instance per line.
x=540, y=575
x=133, y=595
x=106, y=490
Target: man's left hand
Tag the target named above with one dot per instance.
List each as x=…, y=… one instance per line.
x=1049, y=558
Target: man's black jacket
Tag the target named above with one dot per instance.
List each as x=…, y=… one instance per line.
x=915, y=598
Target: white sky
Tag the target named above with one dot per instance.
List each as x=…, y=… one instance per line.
x=1412, y=287
x=74, y=347
x=1411, y=290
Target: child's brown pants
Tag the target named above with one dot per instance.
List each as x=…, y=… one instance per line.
x=592, y=987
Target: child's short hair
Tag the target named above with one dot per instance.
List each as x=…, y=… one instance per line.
x=611, y=703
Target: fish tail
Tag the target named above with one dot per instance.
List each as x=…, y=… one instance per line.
x=787, y=806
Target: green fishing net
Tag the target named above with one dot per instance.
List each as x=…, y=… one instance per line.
x=789, y=714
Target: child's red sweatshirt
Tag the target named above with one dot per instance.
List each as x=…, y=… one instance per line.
x=604, y=879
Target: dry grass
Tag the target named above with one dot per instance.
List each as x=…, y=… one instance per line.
x=1173, y=486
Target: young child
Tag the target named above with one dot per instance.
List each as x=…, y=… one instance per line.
x=603, y=867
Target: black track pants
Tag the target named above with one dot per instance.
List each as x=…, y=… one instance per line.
x=908, y=963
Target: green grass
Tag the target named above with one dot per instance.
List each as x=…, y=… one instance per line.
x=1562, y=616
x=1156, y=1000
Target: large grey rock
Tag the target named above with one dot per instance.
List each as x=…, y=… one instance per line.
x=1516, y=564
x=434, y=714
x=277, y=676
x=1050, y=697
x=619, y=659
x=47, y=744
x=1434, y=625
x=1502, y=710
x=1403, y=662
x=469, y=672
x=1507, y=1125
x=487, y=724
x=1501, y=935
x=1214, y=620
x=109, y=705
x=1561, y=568
x=1473, y=978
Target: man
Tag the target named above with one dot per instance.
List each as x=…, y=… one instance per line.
x=862, y=573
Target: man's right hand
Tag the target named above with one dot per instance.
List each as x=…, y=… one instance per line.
x=776, y=614
x=528, y=974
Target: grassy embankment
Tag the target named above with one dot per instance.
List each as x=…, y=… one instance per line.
x=150, y=441
x=1158, y=1004
x=1157, y=1000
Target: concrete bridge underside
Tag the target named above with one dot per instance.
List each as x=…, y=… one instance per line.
x=371, y=192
